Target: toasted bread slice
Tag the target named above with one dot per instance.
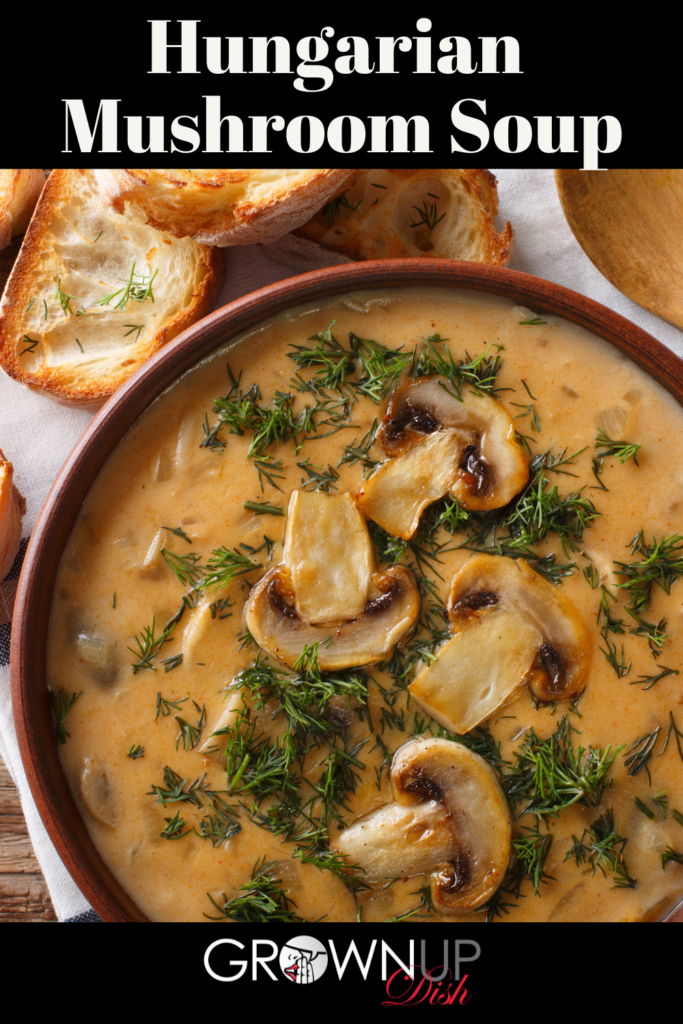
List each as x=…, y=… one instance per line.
x=387, y=213
x=12, y=509
x=93, y=294
x=19, y=191
x=224, y=207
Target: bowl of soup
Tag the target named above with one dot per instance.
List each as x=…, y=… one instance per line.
x=360, y=601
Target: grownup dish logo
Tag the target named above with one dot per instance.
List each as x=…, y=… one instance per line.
x=432, y=974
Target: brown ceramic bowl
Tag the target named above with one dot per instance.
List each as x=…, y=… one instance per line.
x=32, y=711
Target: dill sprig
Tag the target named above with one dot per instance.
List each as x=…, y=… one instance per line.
x=647, y=682
x=164, y=707
x=268, y=470
x=186, y=567
x=480, y=372
x=174, y=828
x=537, y=511
x=264, y=508
x=661, y=564
x=605, y=850
x=531, y=848
x=178, y=532
x=336, y=864
x=331, y=209
x=62, y=703
x=425, y=907
x=623, y=450
x=135, y=751
x=190, y=735
x=671, y=856
x=551, y=775
x=64, y=300
x=149, y=644
x=137, y=288
x=219, y=827
x=175, y=789
x=426, y=214
x=29, y=344
x=319, y=479
x=360, y=452
x=264, y=899
x=640, y=753
x=223, y=566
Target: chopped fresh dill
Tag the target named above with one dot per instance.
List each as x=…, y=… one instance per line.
x=599, y=485
x=480, y=373
x=186, y=567
x=137, y=288
x=640, y=753
x=98, y=236
x=319, y=479
x=535, y=322
x=134, y=327
x=360, y=452
x=113, y=603
x=662, y=801
x=264, y=508
x=425, y=907
x=427, y=215
x=165, y=707
x=268, y=470
x=605, y=850
x=532, y=847
x=223, y=566
x=336, y=864
x=264, y=900
x=216, y=607
x=29, y=343
x=135, y=751
x=149, y=644
x=175, y=661
x=643, y=808
x=624, y=450
x=670, y=855
x=219, y=827
x=79, y=345
x=677, y=816
x=673, y=730
x=331, y=209
x=174, y=828
x=661, y=564
x=64, y=300
x=178, y=531
x=190, y=735
x=62, y=703
x=552, y=775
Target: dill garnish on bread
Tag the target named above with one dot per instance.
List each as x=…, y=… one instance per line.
x=398, y=213
x=94, y=293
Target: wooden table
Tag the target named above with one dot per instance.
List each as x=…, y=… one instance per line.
x=23, y=890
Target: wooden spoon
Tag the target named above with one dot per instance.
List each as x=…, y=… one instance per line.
x=630, y=225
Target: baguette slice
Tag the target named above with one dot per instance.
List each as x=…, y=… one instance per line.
x=389, y=213
x=73, y=323
x=19, y=191
x=12, y=510
x=224, y=207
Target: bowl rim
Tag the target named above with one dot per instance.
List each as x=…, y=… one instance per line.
x=31, y=706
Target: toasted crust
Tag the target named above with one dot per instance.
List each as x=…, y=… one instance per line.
x=19, y=191
x=224, y=207
x=86, y=250
x=447, y=214
x=12, y=509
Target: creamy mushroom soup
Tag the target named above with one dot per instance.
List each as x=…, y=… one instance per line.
x=376, y=613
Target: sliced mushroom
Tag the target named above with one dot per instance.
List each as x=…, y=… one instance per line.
x=12, y=509
x=273, y=621
x=449, y=819
x=510, y=627
x=97, y=792
x=329, y=556
x=438, y=445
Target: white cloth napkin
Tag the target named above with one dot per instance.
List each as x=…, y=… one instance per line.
x=36, y=434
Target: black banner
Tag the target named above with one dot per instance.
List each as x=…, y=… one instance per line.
x=340, y=88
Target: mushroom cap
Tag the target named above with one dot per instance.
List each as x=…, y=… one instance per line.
x=511, y=627
x=438, y=445
x=449, y=818
x=274, y=622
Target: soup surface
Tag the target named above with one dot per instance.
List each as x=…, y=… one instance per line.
x=188, y=515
